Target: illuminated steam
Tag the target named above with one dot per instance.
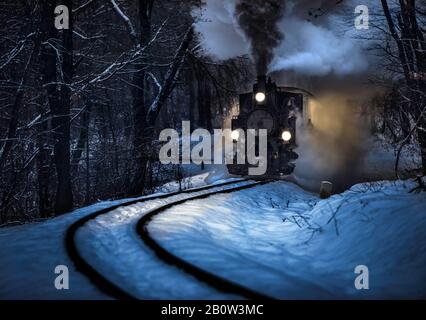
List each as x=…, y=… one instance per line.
x=334, y=147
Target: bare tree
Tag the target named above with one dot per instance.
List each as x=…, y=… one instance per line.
x=80, y=109
x=409, y=39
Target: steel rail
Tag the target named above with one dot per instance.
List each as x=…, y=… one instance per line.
x=111, y=289
x=215, y=281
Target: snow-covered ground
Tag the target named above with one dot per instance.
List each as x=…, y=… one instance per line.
x=277, y=239
x=130, y=263
x=30, y=253
x=287, y=243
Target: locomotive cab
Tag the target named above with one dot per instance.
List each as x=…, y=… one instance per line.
x=274, y=109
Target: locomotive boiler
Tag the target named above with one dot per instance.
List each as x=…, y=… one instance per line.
x=276, y=110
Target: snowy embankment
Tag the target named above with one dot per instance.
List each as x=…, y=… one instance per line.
x=111, y=244
x=287, y=243
x=277, y=239
x=30, y=253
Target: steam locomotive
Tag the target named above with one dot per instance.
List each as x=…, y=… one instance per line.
x=275, y=109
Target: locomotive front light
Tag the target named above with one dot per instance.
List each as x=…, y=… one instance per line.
x=286, y=135
x=235, y=135
x=260, y=97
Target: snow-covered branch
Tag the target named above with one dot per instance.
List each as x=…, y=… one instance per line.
x=124, y=60
x=8, y=57
x=126, y=20
x=170, y=78
x=83, y=6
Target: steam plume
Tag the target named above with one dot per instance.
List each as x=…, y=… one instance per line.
x=282, y=36
x=334, y=148
x=258, y=19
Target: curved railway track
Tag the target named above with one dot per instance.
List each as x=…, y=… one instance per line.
x=113, y=290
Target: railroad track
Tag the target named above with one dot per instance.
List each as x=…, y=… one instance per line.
x=115, y=291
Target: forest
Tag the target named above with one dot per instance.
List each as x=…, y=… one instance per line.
x=81, y=108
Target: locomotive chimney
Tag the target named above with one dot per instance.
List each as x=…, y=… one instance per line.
x=261, y=84
x=259, y=89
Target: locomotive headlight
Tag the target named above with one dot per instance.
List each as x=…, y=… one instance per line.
x=235, y=135
x=286, y=135
x=260, y=97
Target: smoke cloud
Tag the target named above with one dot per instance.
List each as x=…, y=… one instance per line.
x=282, y=36
x=316, y=51
x=258, y=19
x=221, y=35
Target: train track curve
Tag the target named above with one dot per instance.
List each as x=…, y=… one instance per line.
x=115, y=291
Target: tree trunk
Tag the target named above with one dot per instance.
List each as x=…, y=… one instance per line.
x=421, y=136
x=169, y=80
x=82, y=138
x=43, y=168
x=139, y=99
x=87, y=125
x=412, y=55
x=192, y=96
x=415, y=48
x=60, y=103
x=204, y=104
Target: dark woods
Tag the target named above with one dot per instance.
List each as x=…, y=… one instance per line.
x=403, y=49
x=80, y=109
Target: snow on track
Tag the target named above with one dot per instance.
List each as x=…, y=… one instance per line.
x=111, y=245
x=231, y=235
x=30, y=253
x=242, y=236
x=276, y=239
